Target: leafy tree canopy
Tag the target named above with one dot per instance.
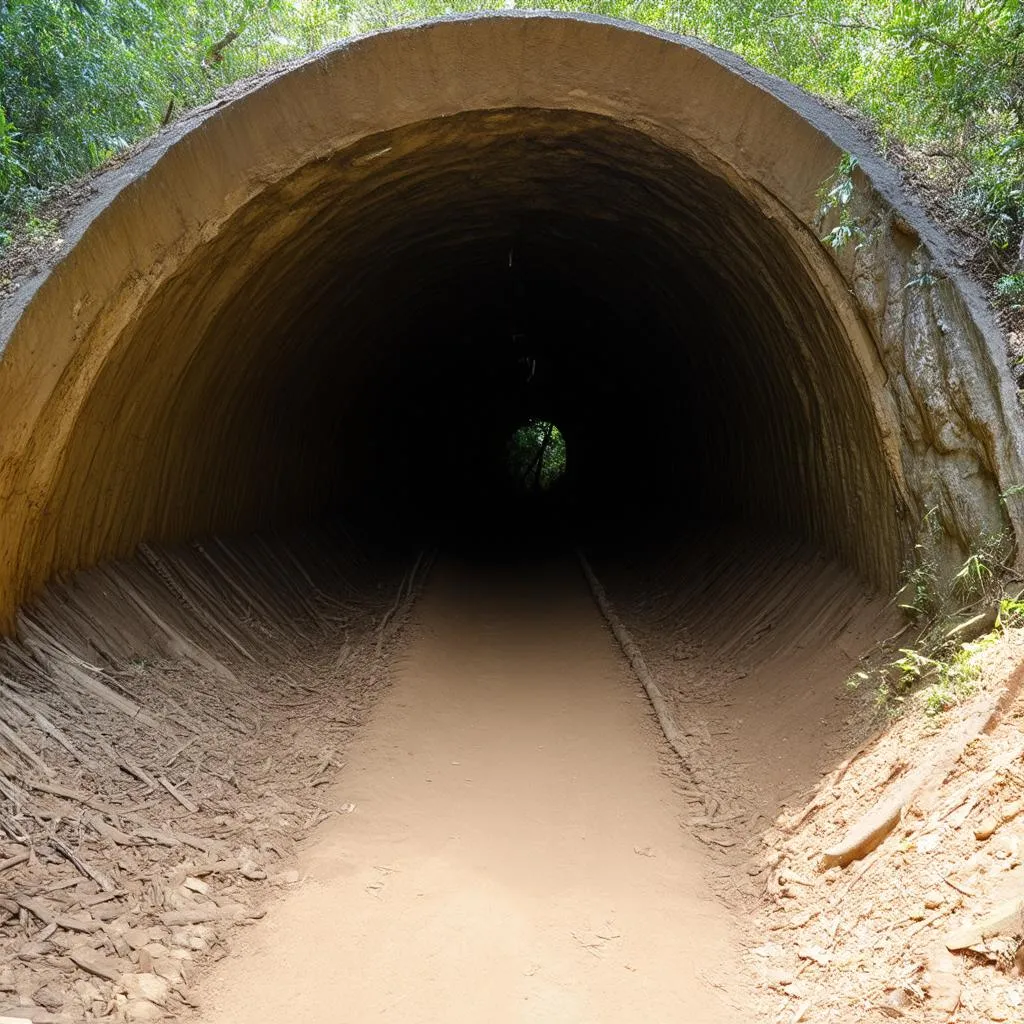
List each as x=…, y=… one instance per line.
x=82, y=79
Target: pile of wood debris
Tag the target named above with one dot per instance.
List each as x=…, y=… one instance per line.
x=168, y=728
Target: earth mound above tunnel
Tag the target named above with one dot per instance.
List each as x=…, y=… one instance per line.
x=336, y=295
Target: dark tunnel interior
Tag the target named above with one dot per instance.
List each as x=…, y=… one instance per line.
x=360, y=341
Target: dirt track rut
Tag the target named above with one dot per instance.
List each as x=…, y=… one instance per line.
x=515, y=852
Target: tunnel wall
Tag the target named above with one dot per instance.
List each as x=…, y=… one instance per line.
x=113, y=358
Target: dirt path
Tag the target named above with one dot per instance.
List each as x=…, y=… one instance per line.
x=514, y=853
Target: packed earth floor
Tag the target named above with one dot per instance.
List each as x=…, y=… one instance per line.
x=441, y=793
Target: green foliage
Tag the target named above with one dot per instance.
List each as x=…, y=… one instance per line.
x=1010, y=288
x=983, y=569
x=82, y=79
x=941, y=669
x=834, y=199
x=938, y=680
x=536, y=455
x=919, y=596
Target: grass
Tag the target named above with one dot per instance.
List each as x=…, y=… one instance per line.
x=941, y=669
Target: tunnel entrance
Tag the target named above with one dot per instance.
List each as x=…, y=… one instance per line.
x=331, y=345
x=290, y=308
x=293, y=338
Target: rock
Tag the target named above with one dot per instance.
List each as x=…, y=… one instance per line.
x=87, y=991
x=170, y=970
x=156, y=950
x=934, y=899
x=136, y=937
x=291, y=876
x=985, y=828
x=196, y=885
x=95, y=963
x=1012, y=809
x=251, y=870
x=49, y=996
x=143, y=1010
x=33, y=950
x=149, y=987
x=941, y=982
x=919, y=913
x=898, y=999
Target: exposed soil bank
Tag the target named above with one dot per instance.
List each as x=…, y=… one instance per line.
x=515, y=851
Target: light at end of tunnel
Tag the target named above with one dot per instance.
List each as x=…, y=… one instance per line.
x=536, y=455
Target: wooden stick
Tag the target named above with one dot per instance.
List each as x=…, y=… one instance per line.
x=182, y=799
x=204, y=915
x=872, y=828
x=673, y=734
x=26, y=752
x=13, y=862
x=97, y=876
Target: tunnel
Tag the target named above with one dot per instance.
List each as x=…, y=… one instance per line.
x=310, y=422
x=335, y=298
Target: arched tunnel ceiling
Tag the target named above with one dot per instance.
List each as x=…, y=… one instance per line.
x=338, y=293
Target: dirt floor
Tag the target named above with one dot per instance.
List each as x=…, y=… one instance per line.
x=514, y=852
x=286, y=804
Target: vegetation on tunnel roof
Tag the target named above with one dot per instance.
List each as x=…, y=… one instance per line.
x=942, y=83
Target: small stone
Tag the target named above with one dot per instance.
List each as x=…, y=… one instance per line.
x=49, y=996
x=934, y=899
x=919, y=913
x=291, y=876
x=251, y=870
x=986, y=827
x=1012, y=809
x=1004, y=847
x=87, y=991
x=142, y=1010
x=145, y=961
x=941, y=981
x=146, y=986
x=169, y=969
x=196, y=885
x=136, y=937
